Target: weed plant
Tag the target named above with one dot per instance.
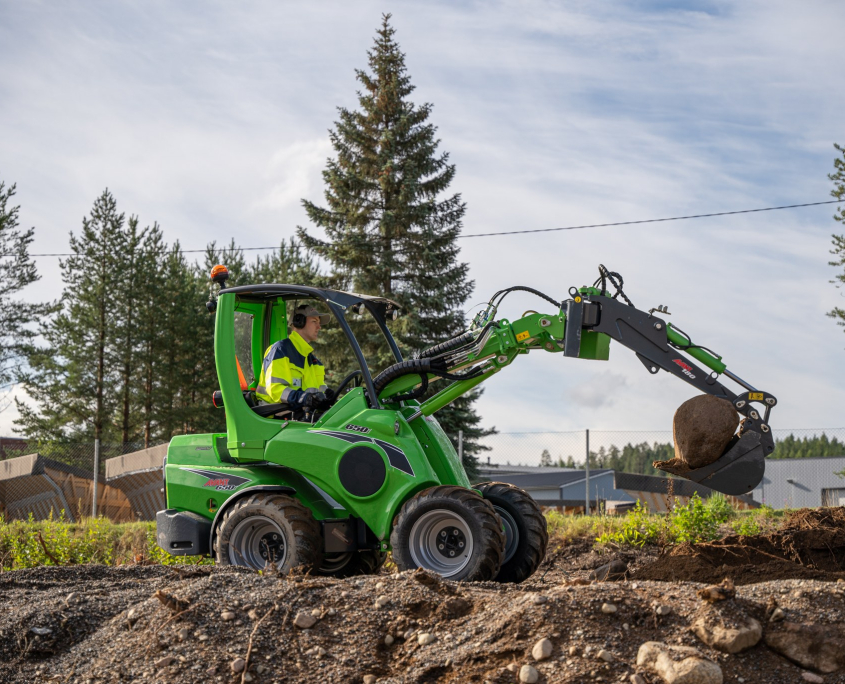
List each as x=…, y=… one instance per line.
x=55, y=541
x=696, y=521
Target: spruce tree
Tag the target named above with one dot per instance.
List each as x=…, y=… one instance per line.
x=390, y=229
x=18, y=319
x=72, y=378
x=292, y=264
x=838, y=251
x=124, y=348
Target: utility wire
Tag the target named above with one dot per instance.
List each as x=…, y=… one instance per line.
x=631, y=223
x=535, y=230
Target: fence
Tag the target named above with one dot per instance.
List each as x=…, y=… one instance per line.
x=803, y=471
x=40, y=480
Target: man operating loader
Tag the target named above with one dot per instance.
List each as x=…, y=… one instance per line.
x=290, y=372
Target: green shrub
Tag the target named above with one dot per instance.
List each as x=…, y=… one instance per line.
x=693, y=522
x=720, y=508
x=638, y=528
x=746, y=525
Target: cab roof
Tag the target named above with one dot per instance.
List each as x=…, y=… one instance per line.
x=345, y=300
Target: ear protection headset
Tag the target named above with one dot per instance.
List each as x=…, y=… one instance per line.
x=299, y=320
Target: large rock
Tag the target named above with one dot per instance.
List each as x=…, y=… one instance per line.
x=817, y=647
x=726, y=627
x=702, y=428
x=614, y=571
x=678, y=664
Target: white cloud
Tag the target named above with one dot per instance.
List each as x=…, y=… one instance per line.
x=600, y=391
x=211, y=118
x=294, y=173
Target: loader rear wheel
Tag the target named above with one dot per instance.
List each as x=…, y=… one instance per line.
x=367, y=562
x=451, y=531
x=267, y=529
x=526, y=535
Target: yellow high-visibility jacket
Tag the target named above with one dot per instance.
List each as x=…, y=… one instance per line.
x=289, y=370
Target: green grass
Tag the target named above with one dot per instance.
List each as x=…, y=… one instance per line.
x=97, y=540
x=94, y=540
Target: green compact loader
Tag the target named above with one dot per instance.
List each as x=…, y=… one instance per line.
x=334, y=490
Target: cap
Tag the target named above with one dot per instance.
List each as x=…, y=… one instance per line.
x=307, y=310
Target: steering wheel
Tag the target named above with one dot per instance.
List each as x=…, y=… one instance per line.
x=349, y=378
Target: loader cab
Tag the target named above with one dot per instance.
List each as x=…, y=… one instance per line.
x=250, y=318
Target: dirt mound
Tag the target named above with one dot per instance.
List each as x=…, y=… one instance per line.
x=96, y=624
x=810, y=544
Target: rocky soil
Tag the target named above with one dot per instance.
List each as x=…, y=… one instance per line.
x=155, y=624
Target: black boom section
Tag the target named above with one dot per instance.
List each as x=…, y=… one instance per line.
x=645, y=335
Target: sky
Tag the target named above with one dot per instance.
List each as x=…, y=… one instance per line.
x=212, y=119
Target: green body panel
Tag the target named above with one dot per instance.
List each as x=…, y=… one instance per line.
x=595, y=346
x=204, y=493
x=248, y=433
x=438, y=451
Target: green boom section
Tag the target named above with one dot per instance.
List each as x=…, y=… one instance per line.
x=535, y=331
x=714, y=363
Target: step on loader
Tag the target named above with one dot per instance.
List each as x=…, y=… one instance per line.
x=334, y=489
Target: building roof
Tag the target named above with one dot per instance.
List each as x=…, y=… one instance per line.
x=562, y=476
x=496, y=469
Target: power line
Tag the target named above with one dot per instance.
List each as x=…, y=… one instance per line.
x=536, y=230
x=631, y=223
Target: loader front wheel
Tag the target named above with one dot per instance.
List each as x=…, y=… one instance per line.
x=526, y=534
x=267, y=530
x=451, y=531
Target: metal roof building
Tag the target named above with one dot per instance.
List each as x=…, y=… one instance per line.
x=802, y=482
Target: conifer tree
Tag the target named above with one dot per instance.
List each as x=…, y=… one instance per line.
x=71, y=377
x=838, y=251
x=124, y=344
x=390, y=229
x=292, y=264
x=18, y=319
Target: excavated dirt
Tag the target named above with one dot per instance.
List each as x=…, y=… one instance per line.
x=92, y=624
x=810, y=544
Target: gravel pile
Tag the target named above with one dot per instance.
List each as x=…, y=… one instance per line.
x=154, y=624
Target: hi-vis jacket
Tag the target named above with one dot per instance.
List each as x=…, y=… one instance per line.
x=289, y=370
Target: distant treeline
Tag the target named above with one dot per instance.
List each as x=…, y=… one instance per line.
x=637, y=458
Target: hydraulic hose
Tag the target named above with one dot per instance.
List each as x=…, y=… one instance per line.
x=454, y=344
x=421, y=367
x=448, y=345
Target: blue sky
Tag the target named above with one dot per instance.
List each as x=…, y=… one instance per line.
x=212, y=118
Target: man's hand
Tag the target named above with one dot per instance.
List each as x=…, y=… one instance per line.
x=314, y=401
x=329, y=399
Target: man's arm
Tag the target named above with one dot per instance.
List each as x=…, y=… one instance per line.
x=276, y=383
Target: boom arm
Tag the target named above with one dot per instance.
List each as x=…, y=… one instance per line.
x=583, y=328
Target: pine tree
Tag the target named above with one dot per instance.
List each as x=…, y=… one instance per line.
x=17, y=318
x=545, y=459
x=389, y=229
x=124, y=346
x=838, y=251
x=292, y=264
x=71, y=378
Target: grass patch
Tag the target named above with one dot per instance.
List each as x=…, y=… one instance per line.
x=33, y=543
x=696, y=521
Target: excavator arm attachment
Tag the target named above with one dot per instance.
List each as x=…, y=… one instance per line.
x=583, y=327
x=661, y=347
